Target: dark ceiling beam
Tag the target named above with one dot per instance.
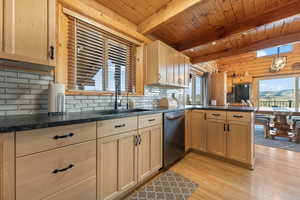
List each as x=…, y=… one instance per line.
x=295, y=37
x=272, y=15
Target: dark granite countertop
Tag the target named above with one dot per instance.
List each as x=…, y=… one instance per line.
x=28, y=122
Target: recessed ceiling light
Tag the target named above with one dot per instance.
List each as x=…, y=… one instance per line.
x=214, y=43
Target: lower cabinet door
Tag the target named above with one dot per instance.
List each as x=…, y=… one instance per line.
x=127, y=159
x=117, y=165
x=107, y=168
x=239, y=142
x=84, y=190
x=216, y=137
x=156, y=148
x=149, y=151
x=198, y=130
x=144, y=156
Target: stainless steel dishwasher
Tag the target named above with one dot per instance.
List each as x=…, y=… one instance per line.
x=174, y=137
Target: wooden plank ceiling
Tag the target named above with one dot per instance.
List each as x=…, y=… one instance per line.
x=209, y=29
x=135, y=10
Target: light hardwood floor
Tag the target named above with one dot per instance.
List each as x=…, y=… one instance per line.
x=276, y=176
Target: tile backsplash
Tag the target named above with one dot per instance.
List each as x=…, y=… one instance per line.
x=24, y=92
x=149, y=100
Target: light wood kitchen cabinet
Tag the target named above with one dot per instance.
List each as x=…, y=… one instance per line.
x=157, y=63
x=216, y=137
x=226, y=134
x=1, y=25
x=166, y=66
x=84, y=190
x=218, y=88
x=187, y=64
x=239, y=139
x=117, y=164
x=42, y=174
x=149, y=151
x=29, y=31
x=34, y=141
x=198, y=127
x=170, y=66
x=7, y=166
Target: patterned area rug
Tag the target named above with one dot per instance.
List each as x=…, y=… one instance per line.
x=167, y=186
x=282, y=143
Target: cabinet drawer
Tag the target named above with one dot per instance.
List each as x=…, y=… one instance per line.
x=33, y=141
x=43, y=174
x=239, y=116
x=115, y=126
x=150, y=120
x=220, y=115
x=84, y=190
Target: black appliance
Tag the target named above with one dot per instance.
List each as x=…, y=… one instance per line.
x=241, y=92
x=174, y=137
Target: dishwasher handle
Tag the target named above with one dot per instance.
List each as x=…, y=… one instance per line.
x=174, y=117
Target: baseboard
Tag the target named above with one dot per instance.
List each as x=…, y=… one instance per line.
x=228, y=160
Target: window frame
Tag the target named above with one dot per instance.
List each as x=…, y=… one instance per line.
x=138, y=58
x=296, y=81
x=272, y=55
x=193, y=85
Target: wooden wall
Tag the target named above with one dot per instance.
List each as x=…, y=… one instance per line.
x=258, y=67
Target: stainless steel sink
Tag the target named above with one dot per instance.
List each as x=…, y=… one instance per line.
x=111, y=112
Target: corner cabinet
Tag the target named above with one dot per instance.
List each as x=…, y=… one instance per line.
x=29, y=31
x=198, y=127
x=166, y=66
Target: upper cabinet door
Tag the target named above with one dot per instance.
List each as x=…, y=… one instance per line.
x=29, y=30
x=1, y=25
x=181, y=65
x=186, y=71
x=163, y=62
x=170, y=67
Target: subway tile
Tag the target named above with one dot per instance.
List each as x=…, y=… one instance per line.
x=8, y=85
x=17, y=91
x=80, y=97
x=8, y=107
x=17, y=102
x=29, y=76
x=40, y=82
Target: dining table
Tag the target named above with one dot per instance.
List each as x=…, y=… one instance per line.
x=280, y=127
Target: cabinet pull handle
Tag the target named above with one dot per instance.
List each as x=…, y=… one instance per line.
x=51, y=52
x=224, y=127
x=151, y=120
x=216, y=115
x=120, y=126
x=238, y=116
x=204, y=116
x=57, y=137
x=140, y=139
x=228, y=127
x=136, y=140
x=56, y=171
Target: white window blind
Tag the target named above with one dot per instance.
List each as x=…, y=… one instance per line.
x=99, y=60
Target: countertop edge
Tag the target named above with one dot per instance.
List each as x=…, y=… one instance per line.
x=93, y=118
